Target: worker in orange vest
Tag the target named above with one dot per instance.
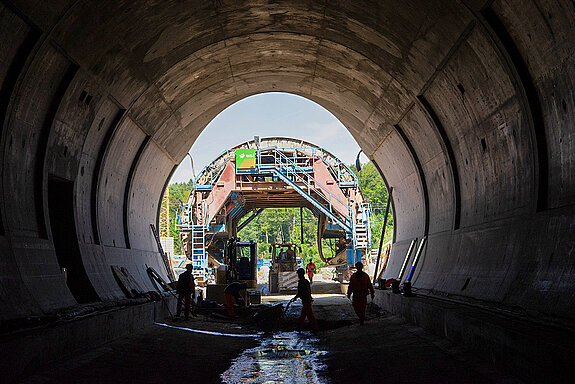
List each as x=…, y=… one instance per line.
x=360, y=285
x=310, y=269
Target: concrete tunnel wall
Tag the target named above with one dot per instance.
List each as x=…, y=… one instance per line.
x=465, y=106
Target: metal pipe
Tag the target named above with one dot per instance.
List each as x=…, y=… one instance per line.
x=416, y=258
x=382, y=233
x=301, y=223
x=406, y=258
x=249, y=219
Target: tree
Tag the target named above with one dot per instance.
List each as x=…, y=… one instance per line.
x=373, y=189
x=179, y=193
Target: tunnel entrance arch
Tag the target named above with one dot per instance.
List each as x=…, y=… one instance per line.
x=406, y=106
x=492, y=80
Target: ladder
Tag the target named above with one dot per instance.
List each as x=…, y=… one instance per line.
x=362, y=228
x=361, y=236
x=199, y=256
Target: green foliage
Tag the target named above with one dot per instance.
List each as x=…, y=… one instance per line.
x=179, y=193
x=277, y=225
x=373, y=189
x=283, y=225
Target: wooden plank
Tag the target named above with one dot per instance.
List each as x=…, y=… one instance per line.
x=127, y=283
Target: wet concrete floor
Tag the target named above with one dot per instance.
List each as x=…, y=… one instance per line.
x=283, y=357
x=385, y=349
x=389, y=350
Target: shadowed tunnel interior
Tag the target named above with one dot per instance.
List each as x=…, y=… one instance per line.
x=466, y=107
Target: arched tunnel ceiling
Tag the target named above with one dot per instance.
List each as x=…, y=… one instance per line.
x=465, y=106
x=197, y=60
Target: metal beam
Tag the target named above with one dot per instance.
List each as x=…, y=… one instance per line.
x=323, y=209
x=249, y=219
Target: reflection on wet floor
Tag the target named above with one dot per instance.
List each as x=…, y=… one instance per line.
x=284, y=357
x=209, y=332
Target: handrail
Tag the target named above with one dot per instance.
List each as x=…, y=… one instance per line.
x=211, y=172
x=295, y=162
x=308, y=197
x=206, y=216
x=329, y=161
x=178, y=219
x=181, y=221
x=295, y=166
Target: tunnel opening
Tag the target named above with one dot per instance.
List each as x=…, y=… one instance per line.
x=65, y=238
x=481, y=90
x=300, y=118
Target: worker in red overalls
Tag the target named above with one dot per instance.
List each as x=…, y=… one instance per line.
x=186, y=289
x=360, y=286
x=304, y=293
x=232, y=294
x=311, y=270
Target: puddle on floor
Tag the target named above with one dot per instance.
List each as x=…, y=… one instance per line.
x=285, y=357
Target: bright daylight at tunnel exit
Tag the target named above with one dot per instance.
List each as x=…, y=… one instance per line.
x=294, y=191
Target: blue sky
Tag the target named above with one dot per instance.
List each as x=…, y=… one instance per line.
x=269, y=114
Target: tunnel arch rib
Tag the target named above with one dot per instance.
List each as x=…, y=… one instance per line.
x=528, y=92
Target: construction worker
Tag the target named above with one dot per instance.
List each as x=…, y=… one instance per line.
x=311, y=270
x=304, y=294
x=290, y=253
x=232, y=295
x=360, y=286
x=185, y=289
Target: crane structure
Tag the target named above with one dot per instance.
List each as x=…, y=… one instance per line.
x=165, y=214
x=275, y=172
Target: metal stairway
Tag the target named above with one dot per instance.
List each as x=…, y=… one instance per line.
x=284, y=167
x=309, y=198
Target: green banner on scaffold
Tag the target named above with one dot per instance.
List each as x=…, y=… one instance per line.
x=245, y=158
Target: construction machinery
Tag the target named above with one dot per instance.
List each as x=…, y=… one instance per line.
x=276, y=172
x=282, y=276
x=241, y=262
